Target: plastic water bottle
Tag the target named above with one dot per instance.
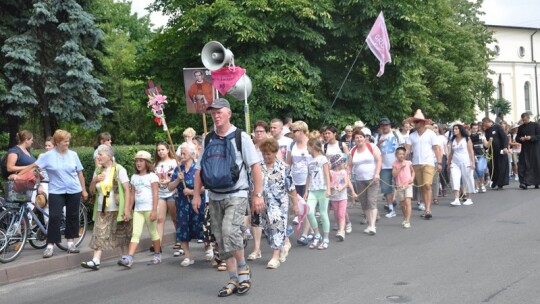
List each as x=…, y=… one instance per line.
x=289, y=230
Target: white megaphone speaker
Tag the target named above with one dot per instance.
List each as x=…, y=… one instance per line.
x=242, y=89
x=214, y=55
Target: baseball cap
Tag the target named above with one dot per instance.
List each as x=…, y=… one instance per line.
x=218, y=104
x=384, y=121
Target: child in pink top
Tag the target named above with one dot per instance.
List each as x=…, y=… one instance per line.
x=403, y=173
x=340, y=181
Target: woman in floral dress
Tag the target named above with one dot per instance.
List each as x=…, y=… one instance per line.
x=189, y=225
x=277, y=186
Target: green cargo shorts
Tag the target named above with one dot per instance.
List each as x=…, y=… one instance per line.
x=227, y=216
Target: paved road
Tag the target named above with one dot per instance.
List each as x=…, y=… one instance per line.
x=487, y=252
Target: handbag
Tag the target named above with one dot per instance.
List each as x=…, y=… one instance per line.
x=24, y=182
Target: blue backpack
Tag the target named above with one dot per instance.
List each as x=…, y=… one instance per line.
x=218, y=163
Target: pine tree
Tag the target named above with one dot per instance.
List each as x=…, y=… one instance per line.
x=48, y=69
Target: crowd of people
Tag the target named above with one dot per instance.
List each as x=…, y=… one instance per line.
x=286, y=175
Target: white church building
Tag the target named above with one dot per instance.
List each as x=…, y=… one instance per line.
x=516, y=72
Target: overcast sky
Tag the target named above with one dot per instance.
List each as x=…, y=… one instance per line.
x=523, y=13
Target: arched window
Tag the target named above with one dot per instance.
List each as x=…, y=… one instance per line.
x=527, y=91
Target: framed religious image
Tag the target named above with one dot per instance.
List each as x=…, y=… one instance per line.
x=199, y=89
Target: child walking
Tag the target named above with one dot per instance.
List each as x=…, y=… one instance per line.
x=144, y=194
x=318, y=193
x=403, y=173
x=340, y=182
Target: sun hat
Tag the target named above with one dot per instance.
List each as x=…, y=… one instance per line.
x=41, y=200
x=359, y=124
x=143, y=155
x=419, y=116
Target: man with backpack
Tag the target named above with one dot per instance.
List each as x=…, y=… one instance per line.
x=222, y=169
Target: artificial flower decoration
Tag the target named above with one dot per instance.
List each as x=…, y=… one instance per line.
x=156, y=102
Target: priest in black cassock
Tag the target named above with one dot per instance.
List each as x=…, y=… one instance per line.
x=497, y=145
x=528, y=135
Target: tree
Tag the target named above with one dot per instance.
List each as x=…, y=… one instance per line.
x=298, y=53
x=47, y=66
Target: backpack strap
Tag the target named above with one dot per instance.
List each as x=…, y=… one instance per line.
x=370, y=148
x=325, y=148
x=292, y=145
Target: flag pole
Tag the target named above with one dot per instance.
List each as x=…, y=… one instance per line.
x=344, y=80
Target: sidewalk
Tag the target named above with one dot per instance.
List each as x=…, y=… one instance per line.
x=30, y=263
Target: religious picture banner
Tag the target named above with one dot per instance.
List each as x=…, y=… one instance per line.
x=198, y=84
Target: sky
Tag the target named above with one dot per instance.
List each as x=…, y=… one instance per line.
x=521, y=13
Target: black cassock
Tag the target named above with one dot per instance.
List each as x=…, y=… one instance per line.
x=529, y=158
x=499, y=168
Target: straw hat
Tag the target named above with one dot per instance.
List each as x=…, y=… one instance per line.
x=419, y=116
x=457, y=122
x=359, y=124
x=41, y=200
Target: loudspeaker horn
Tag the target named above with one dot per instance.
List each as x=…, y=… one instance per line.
x=214, y=55
x=237, y=91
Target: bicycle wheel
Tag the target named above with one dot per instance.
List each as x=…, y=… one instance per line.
x=37, y=238
x=12, y=235
x=83, y=227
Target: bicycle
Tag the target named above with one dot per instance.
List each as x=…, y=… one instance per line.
x=16, y=228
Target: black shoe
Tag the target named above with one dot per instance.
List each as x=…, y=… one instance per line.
x=89, y=265
x=523, y=186
x=493, y=185
x=537, y=187
x=386, y=208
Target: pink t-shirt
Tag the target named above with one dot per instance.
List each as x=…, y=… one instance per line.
x=404, y=175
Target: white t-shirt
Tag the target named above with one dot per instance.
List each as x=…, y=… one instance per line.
x=113, y=204
x=364, y=163
x=443, y=143
x=460, y=153
x=317, y=180
x=388, y=148
x=164, y=171
x=284, y=144
x=300, y=161
x=422, y=147
x=143, y=190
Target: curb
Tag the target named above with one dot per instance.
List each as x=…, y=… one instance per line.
x=63, y=261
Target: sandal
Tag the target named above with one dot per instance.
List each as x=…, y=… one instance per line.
x=245, y=285
x=427, y=216
x=273, y=264
x=222, y=266
x=254, y=255
x=315, y=243
x=177, y=246
x=302, y=241
x=323, y=245
x=229, y=289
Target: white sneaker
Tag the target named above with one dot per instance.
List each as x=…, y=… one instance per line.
x=468, y=202
x=482, y=188
x=295, y=220
x=422, y=207
x=370, y=231
x=348, y=228
x=456, y=202
x=406, y=225
x=516, y=178
x=186, y=262
x=391, y=214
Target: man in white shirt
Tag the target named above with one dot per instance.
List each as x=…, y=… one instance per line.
x=284, y=142
x=426, y=153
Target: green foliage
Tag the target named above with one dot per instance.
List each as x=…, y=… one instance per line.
x=500, y=107
x=298, y=53
x=47, y=66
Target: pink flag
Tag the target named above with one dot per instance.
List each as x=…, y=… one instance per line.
x=225, y=78
x=378, y=43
